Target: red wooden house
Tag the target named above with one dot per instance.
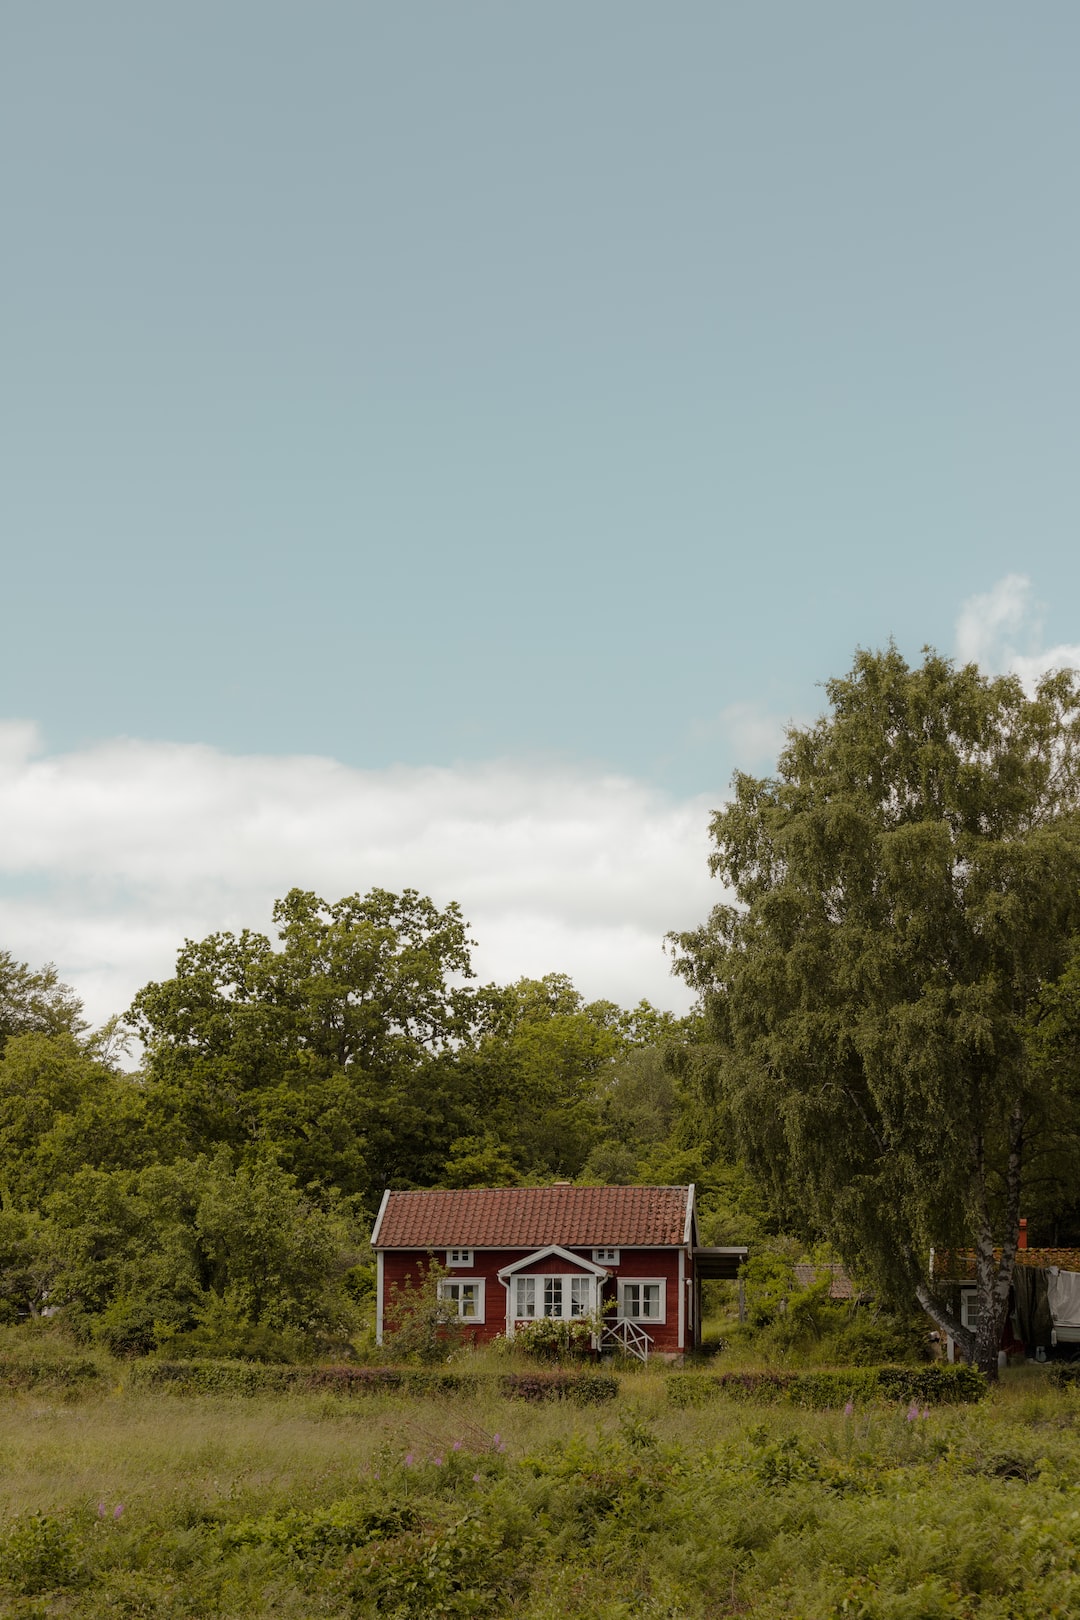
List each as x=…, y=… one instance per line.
x=627, y=1254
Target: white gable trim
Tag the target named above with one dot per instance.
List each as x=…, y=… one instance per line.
x=552, y=1252
x=688, y=1231
x=379, y=1217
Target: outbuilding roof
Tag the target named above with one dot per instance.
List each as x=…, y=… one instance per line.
x=840, y=1284
x=528, y=1217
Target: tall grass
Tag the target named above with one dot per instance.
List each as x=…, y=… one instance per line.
x=126, y=1502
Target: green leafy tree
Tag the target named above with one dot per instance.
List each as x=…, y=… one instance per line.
x=904, y=888
x=61, y=1109
x=35, y=1002
x=326, y=1048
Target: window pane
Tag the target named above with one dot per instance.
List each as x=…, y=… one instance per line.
x=553, y=1296
x=526, y=1296
x=632, y=1299
x=468, y=1299
x=579, y=1296
x=650, y=1299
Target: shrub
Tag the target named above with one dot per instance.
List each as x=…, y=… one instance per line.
x=933, y=1385
x=550, y=1339
x=471, y=1568
x=255, y=1378
x=870, y=1342
x=38, y=1554
x=423, y=1327
x=1065, y=1374
x=17, y=1373
x=344, y=1525
x=583, y=1388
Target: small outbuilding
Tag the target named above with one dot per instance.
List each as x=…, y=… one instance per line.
x=626, y=1256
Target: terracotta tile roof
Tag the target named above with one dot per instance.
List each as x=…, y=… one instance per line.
x=840, y=1286
x=960, y=1265
x=528, y=1217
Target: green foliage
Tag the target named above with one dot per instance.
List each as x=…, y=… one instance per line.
x=39, y=1554
x=421, y=1326
x=1065, y=1374
x=467, y=1569
x=35, y=1002
x=56, y=1374
x=906, y=885
x=340, y=1527
x=932, y=1385
x=550, y=1338
x=583, y=1388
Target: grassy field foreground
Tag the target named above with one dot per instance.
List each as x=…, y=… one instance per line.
x=133, y=1503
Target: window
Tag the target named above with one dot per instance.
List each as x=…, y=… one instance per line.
x=467, y=1298
x=459, y=1257
x=524, y=1297
x=606, y=1257
x=969, y=1308
x=552, y=1296
x=641, y=1301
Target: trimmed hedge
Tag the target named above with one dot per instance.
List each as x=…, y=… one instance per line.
x=16, y=1374
x=935, y=1385
x=269, y=1378
x=583, y=1388
x=586, y=1388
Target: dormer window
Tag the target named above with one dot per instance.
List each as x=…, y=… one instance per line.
x=459, y=1257
x=606, y=1257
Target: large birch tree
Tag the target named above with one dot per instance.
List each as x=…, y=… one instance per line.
x=902, y=890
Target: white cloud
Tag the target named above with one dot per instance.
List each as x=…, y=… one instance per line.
x=1002, y=630
x=112, y=854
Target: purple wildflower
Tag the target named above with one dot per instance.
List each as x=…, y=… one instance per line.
x=409, y=1459
x=912, y=1412
x=925, y=1412
x=496, y=1441
x=437, y=1461
x=456, y=1446
x=476, y=1479
x=118, y=1510
x=849, y=1409
x=101, y=1510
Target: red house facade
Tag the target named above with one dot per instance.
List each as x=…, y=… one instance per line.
x=626, y=1255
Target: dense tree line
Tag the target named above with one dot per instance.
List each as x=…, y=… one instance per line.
x=220, y=1194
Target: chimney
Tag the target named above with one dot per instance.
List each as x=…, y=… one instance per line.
x=1021, y=1242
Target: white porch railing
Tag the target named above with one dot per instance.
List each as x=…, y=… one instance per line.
x=628, y=1337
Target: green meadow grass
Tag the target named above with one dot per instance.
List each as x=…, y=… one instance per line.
x=386, y=1505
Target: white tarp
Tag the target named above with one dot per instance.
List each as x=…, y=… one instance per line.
x=1063, y=1293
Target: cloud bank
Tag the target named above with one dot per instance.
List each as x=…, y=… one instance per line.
x=112, y=854
x=1001, y=631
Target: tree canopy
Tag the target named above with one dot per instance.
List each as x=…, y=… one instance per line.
x=904, y=890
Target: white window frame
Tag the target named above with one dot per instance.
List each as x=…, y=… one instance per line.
x=450, y=1291
x=542, y=1282
x=969, y=1314
x=606, y=1257
x=459, y=1257
x=517, y=1285
x=626, y=1283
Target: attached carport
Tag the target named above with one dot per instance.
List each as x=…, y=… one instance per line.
x=717, y=1264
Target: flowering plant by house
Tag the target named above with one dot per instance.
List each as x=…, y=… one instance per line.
x=549, y=1337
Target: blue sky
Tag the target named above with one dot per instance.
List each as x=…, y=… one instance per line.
x=542, y=396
